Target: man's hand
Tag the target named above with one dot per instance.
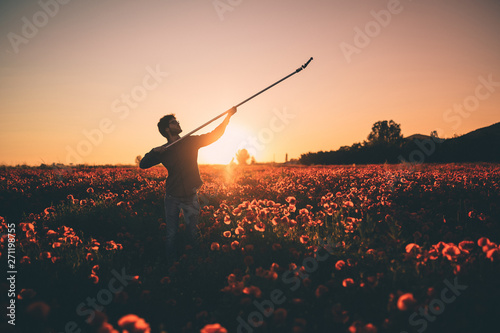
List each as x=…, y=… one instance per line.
x=231, y=111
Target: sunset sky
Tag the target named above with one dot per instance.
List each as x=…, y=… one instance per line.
x=87, y=81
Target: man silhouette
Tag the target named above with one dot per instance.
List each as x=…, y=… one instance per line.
x=183, y=180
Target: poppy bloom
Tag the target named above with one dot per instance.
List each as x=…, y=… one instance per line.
x=45, y=255
x=433, y=254
x=253, y=290
x=466, y=246
x=412, y=247
x=52, y=233
x=107, y=328
x=231, y=278
x=348, y=204
x=26, y=294
x=134, y=324
x=483, y=241
x=213, y=328
x=215, y=246
x=406, y=302
x=451, y=252
x=339, y=265
x=275, y=220
x=49, y=210
x=348, y=282
x=304, y=239
x=260, y=227
x=291, y=200
x=280, y=316
x=321, y=290
x=239, y=231
x=226, y=234
x=358, y=327
x=27, y=226
x=235, y=245
x=94, y=278
x=493, y=254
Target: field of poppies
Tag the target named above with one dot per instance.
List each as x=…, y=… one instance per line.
x=377, y=248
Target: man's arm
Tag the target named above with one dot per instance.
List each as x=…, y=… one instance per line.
x=150, y=159
x=206, y=139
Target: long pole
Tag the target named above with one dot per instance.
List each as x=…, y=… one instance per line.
x=246, y=100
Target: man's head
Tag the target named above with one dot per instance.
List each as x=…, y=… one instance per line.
x=169, y=125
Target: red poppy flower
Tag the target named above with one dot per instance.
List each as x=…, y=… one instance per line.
x=260, y=227
x=406, y=302
x=213, y=328
x=339, y=265
x=134, y=324
x=291, y=200
x=321, y=290
x=94, y=278
x=348, y=282
x=235, y=245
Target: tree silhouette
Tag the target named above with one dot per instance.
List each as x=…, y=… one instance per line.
x=242, y=156
x=138, y=159
x=385, y=132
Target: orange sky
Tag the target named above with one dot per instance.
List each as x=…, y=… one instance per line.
x=86, y=82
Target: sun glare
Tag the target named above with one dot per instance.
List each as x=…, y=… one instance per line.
x=224, y=150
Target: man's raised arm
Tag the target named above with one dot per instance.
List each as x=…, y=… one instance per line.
x=206, y=139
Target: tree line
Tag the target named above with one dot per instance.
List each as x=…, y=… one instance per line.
x=386, y=144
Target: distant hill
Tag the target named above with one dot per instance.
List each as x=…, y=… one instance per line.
x=418, y=136
x=481, y=145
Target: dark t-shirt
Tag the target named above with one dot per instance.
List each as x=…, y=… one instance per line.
x=181, y=161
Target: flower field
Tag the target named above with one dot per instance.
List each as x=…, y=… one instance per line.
x=378, y=248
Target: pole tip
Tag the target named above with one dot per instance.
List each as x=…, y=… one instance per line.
x=307, y=63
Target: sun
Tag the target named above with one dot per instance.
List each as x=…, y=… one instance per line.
x=224, y=150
